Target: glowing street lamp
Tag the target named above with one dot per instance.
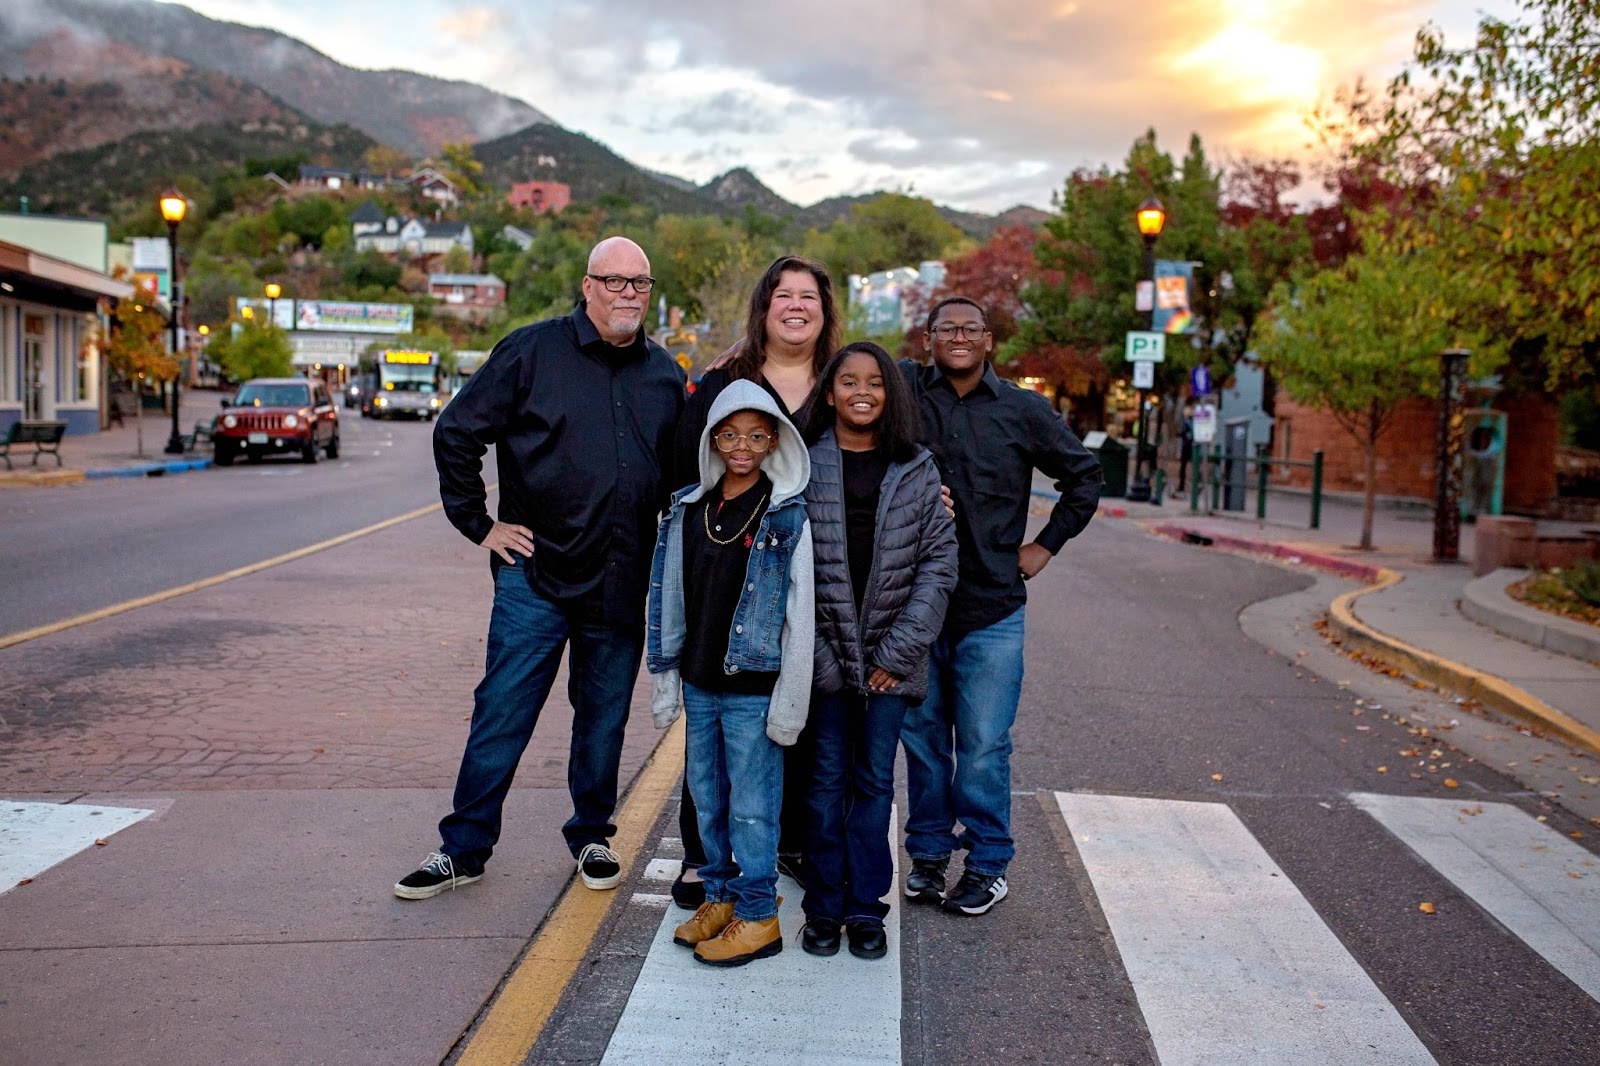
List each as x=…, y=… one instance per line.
x=274, y=290
x=1150, y=218
x=173, y=208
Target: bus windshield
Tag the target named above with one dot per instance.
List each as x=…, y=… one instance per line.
x=400, y=377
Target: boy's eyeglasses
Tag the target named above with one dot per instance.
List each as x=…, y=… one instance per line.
x=616, y=282
x=728, y=440
x=971, y=331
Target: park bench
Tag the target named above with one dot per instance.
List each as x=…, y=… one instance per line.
x=202, y=434
x=44, y=436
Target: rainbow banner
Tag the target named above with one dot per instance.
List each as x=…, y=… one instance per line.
x=1172, y=313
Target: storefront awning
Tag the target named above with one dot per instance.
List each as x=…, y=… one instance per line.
x=33, y=275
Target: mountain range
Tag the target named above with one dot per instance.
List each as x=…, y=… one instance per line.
x=97, y=83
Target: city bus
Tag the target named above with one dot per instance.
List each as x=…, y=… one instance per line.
x=401, y=384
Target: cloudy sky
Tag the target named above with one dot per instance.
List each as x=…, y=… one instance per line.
x=977, y=104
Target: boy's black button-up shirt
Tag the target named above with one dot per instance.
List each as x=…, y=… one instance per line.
x=988, y=444
x=583, y=434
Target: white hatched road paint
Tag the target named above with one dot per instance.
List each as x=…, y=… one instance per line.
x=662, y=870
x=1534, y=881
x=788, y=1010
x=36, y=836
x=1228, y=960
x=652, y=899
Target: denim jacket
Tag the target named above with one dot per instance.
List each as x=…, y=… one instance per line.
x=774, y=624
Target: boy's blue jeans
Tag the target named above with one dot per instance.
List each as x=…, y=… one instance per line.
x=736, y=776
x=958, y=748
x=849, y=866
x=526, y=636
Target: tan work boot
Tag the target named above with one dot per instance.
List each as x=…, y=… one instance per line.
x=709, y=920
x=741, y=942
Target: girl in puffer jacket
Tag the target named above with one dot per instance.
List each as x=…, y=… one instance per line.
x=885, y=562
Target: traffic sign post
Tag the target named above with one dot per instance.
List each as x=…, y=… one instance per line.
x=1144, y=375
x=1200, y=381
x=1143, y=346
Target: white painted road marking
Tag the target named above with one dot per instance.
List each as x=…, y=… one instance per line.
x=36, y=836
x=789, y=1010
x=1534, y=881
x=662, y=870
x=1228, y=960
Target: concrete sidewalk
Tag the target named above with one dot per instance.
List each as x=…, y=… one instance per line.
x=1410, y=617
x=115, y=452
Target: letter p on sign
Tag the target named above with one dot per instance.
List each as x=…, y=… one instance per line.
x=1145, y=347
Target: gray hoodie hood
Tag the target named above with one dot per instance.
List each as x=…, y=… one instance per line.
x=788, y=464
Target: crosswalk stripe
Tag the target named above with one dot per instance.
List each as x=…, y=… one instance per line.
x=1535, y=882
x=1229, y=962
x=36, y=836
x=790, y=1010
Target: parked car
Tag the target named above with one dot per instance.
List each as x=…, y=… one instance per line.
x=277, y=416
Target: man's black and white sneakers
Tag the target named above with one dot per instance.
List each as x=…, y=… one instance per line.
x=599, y=866
x=925, y=883
x=975, y=893
x=437, y=873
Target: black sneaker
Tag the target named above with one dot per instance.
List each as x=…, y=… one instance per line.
x=868, y=940
x=925, y=884
x=975, y=893
x=820, y=937
x=790, y=864
x=599, y=866
x=688, y=894
x=438, y=872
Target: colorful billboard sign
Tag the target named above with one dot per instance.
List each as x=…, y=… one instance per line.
x=352, y=317
x=1172, y=312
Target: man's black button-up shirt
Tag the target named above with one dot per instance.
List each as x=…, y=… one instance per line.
x=583, y=434
x=988, y=444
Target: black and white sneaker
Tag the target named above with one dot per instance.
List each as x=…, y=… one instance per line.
x=975, y=893
x=437, y=873
x=599, y=866
x=925, y=883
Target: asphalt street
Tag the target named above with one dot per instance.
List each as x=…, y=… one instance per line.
x=1223, y=852
x=80, y=547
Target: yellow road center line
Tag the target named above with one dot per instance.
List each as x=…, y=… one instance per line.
x=530, y=995
x=21, y=636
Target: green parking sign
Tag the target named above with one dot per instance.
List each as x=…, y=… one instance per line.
x=1145, y=347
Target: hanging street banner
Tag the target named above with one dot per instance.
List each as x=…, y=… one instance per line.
x=1174, y=279
x=1200, y=381
x=352, y=317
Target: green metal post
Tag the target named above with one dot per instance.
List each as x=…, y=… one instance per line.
x=1316, y=490
x=1197, y=464
x=1159, y=487
x=1216, y=477
x=1262, y=468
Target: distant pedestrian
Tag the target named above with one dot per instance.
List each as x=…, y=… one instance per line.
x=988, y=436
x=885, y=564
x=791, y=329
x=731, y=645
x=581, y=412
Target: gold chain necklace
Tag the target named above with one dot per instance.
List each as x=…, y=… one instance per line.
x=712, y=536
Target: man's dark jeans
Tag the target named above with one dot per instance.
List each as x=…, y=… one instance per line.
x=849, y=864
x=526, y=636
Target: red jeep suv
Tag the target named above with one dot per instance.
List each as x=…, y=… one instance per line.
x=277, y=416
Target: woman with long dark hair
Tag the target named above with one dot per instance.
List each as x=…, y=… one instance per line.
x=792, y=328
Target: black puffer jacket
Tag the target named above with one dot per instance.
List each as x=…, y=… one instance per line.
x=913, y=571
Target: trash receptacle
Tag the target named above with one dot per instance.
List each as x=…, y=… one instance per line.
x=1113, y=456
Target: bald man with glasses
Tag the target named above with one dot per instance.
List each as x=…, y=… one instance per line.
x=581, y=411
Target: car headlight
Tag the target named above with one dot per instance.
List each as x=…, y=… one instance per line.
x=383, y=401
x=433, y=402
x=290, y=421
x=229, y=421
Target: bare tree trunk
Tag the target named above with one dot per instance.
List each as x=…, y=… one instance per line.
x=138, y=420
x=1370, y=446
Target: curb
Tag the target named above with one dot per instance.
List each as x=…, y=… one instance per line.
x=1487, y=602
x=43, y=478
x=1474, y=684
x=175, y=466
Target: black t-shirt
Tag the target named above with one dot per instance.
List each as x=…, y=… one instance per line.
x=863, y=478
x=713, y=581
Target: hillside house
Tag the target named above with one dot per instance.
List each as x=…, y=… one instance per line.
x=368, y=218
x=414, y=237
x=324, y=177
x=467, y=295
x=540, y=197
x=435, y=186
x=519, y=237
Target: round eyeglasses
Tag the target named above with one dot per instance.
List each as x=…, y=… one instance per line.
x=728, y=440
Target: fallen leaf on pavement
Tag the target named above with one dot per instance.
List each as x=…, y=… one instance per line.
x=1451, y=782
x=25, y=881
x=318, y=751
x=1216, y=777
x=1426, y=908
x=100, y=843
x=1575, y=835
x=1383, y=769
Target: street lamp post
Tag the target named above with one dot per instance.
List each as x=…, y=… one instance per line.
x=274, y=290
x=173, y=208
x=1151, y=217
